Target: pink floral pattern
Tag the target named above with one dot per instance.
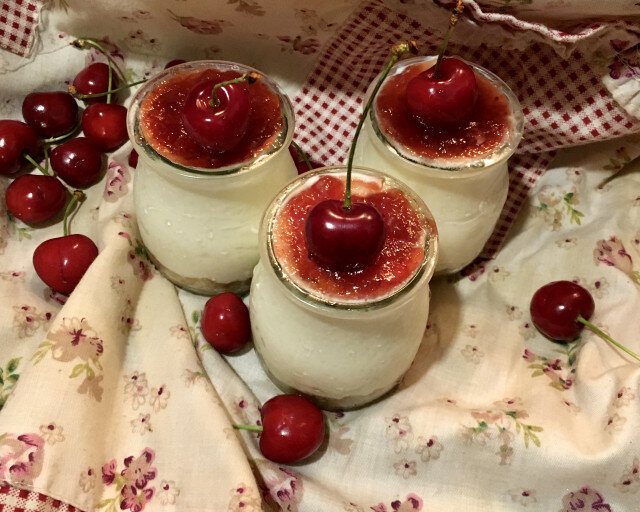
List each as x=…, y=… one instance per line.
x=559, y=372
x=21, y=458
x=138, y=258
x=116, y=183
x=132, y=483
x=411, y=503
x=76, y=339
x=613, y=254
x=200, y=26
x=584, y=500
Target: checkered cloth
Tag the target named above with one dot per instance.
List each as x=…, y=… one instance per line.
x=18, y=23
x=16, y=500
x=564, y=101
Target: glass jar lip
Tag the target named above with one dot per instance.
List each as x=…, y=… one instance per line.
x=141, y=145
x=424, y=270
x=465, y=165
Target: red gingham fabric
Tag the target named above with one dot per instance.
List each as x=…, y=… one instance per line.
x=564, y=101
x=17, y=500
x=18, y=22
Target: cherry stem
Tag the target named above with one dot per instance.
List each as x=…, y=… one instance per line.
x=77, y=195
x=253, y=428
x=36, y=164
x=73, y=91
x=53, y=140
x=250, y=78
x=457, y=11
x=302, y=154
x=81, y=43
x=397, y=52
x=604, y=335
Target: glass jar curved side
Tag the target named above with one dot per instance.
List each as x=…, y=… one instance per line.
x=466, y=197
x=200, y=225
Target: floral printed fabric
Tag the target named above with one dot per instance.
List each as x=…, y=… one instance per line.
x=111, y=400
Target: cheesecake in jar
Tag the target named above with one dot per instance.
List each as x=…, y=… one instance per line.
x=199, y=201
x=343, y=338
x=458, y=168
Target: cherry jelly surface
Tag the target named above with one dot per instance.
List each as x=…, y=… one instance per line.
x=486, y=130
x=162, y=125
x=401, y=255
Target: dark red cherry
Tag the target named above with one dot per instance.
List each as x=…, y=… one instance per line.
x=61, y=262
x=50, y=114
x=225, y=322
x=133, y=159
x=220, y=128
x=94, y=79
x=555, y=307
x=344, y=240
x=446, y=100
x=16, y=139
x=78, y=162
x=105, y=124
x=293, y=429
x=174, y=62
x=34, y=198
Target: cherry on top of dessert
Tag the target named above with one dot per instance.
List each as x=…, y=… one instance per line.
x=163, y=126
x=401, y=256
x=217, y=118
x=445, y=96
x=484, y=131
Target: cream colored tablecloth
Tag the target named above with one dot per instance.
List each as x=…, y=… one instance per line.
x=111, y=400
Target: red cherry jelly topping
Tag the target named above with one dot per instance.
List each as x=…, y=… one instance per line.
x=401, y=255
x=163, y=127
x=485, y=131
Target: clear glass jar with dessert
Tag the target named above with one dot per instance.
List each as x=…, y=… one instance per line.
x=203, y=181
x=458, y=168
x=344, y=338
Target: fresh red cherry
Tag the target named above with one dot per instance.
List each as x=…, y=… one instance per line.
x=444, y=100
x=225, y=322
x=105, y=124
x=78, y=162
x=16, y=140
x=556, y=306
x=344, y=240
x=50, y=114
x=94, y=79
x=220, y=128
x=293, y=429
x=34, y=198
x=61, y=262
x=174, y=62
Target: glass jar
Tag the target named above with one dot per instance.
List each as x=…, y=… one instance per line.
x=465, y=195
x=342, y=353
x=200, y=225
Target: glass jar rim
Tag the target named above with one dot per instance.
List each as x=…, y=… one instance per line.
x=466, y=165
x=424, y=270
x=141, y=144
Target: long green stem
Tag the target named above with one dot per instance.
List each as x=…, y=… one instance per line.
x=80, y=43
x=250, y=78
x=302, y=154
x=36, y=164
x=112, y=91
x=397, y=52
x=77, y=196
x=254, y=428
x=53, y=140
x=457, y=11
x=604, y=335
